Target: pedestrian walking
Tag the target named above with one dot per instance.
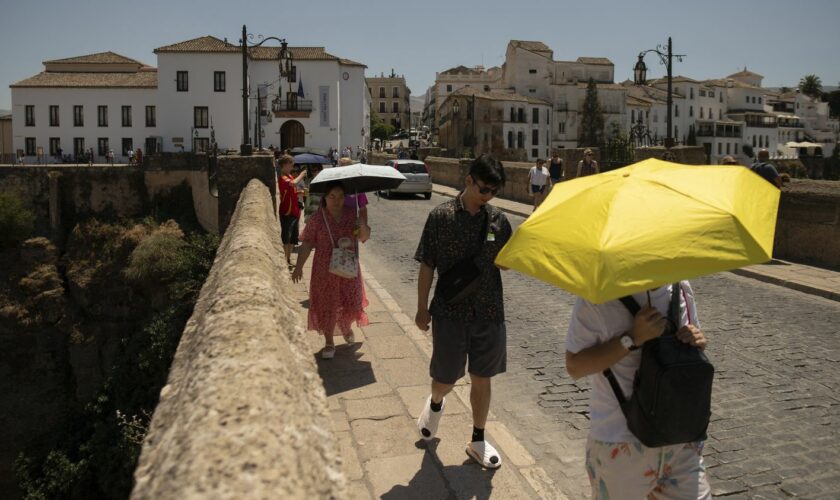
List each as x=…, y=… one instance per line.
x=335, y=301
x=765, y=169
x=539, y=181
x=555, y=168
x=289, y=207
x=110, y=157
x=587, y=166
x=460, y=240
x=131, y=157
x=138, y=157
x=606, y=336
x=90, y=157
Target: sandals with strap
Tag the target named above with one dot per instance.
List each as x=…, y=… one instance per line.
x=485, y=454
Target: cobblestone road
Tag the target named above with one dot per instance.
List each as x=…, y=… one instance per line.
x=774, y=430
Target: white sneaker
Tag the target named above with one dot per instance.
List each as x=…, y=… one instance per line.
x=484, y=453
x=428, y=421
x=350, y=338
x=328, y=352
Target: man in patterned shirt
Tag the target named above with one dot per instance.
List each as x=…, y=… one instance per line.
x=471, y=330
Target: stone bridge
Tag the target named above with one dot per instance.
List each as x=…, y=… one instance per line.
x=244, y=412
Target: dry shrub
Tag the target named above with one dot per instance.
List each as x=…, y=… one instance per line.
x=16, y=221
x=158, y=257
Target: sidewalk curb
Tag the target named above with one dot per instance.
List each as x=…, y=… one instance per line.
x=799, y=287
x=518, y=457
x=745, y=272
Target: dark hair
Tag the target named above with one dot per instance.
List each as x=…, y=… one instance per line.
x=488, y=170
x=329, y=187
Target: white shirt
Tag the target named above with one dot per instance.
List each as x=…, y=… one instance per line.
x=538, y=176
x=593, y=324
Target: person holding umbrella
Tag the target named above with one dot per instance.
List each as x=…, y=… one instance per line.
x=335, y=301
x=358, y=202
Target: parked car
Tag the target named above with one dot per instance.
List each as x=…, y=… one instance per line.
x=418, y=180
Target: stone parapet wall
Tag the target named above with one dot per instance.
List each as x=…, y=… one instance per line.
x=808, y=227
x=243, y=413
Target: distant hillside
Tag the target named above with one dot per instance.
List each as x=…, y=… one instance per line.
x=4, y=112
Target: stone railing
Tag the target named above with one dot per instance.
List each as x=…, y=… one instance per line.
x=243, y=413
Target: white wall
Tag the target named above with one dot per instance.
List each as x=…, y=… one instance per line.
x=90, y=99
x=175, y=113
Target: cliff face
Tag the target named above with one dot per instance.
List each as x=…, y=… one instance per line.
x=64, y=318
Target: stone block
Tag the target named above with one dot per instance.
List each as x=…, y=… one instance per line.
x=390, y=437
x=374, y=408
x=373, y=331
x=413, y=476
x=393, y=347
x=405, y=372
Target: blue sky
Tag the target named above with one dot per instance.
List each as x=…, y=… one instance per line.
x=781, y=40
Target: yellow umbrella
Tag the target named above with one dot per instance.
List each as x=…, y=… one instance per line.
x=645, y=225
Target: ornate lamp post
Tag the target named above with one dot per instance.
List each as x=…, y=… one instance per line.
x=640, y=78
x=284, y=59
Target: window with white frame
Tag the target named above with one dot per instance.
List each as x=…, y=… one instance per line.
x=151, y=116
x=219, y=81
x=126, y=116
x=29, y=144
x=53, y=116
x=29, y=115
x=102, y=116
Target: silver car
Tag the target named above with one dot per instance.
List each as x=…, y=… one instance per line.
x=417, y=178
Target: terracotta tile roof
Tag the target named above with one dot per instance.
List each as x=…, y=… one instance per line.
x=98, y=58
x=348, y=62
x=461, y=70
x=214, y=45
x=497, y=96
x=638, y=101
x=141, y=79
x=676, y=79
x=730, y=83
x=595, y=60
x=201, y=44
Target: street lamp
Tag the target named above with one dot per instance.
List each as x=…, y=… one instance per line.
x=284, y=60
x=640, y=78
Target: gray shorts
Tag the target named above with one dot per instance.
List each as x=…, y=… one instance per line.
x=482, y=343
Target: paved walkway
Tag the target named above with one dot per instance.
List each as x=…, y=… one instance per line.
x=807, y=279
x=376, y=390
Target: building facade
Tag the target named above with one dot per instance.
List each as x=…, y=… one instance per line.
x=194, y=97
x=390, y=99
x=509, y=126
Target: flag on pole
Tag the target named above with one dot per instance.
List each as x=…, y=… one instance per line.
x=300, y=88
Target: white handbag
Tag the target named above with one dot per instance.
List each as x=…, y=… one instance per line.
x=343, y=261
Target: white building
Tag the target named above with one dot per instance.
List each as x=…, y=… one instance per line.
x=109, y=101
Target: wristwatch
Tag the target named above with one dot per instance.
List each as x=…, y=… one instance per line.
x=627, y=342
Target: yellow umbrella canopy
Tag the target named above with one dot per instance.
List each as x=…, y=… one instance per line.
x=645, y=225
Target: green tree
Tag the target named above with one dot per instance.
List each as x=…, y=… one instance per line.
x=16, y=221
x=833, y=99
x=692, y=137
x=811, y=85
x=592, y=119
x=784, y=90
x=378, y=128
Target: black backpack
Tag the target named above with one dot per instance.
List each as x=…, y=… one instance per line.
x=672, y=389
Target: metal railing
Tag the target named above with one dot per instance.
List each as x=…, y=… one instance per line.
x=291, y=105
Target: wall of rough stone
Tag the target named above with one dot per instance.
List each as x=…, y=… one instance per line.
x=808, y=227
x=243, y=413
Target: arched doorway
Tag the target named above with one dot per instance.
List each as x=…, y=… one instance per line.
x=292, y=135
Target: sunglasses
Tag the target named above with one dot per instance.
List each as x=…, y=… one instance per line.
x=486, y=190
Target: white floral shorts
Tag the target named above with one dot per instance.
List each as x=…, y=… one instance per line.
x=633, y=471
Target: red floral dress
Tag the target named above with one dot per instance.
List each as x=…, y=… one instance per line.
x=333, y=300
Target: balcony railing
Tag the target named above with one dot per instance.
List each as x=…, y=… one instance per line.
x=291, y=105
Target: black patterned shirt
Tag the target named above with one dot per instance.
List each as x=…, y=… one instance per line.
x=452, y=234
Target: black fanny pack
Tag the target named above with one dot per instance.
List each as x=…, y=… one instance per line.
x=672, y=389
x=463, y=278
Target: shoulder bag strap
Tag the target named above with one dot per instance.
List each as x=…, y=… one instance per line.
x=674, y=308
x=633, y=307
x=332, y=242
